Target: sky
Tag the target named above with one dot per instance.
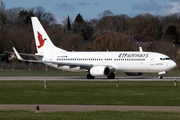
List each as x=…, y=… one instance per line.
x=90, y=9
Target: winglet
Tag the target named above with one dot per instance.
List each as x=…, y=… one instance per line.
x=17, y=54
x=140, y=49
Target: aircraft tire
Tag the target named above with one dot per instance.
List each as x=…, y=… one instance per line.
x=89, y=76
x=160, y=77
x=111, y=76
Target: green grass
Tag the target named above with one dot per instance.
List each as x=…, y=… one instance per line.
x=66, y=73
x=86, y=92
x=96, y=115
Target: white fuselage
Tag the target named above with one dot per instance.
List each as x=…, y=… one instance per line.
x=121, y=61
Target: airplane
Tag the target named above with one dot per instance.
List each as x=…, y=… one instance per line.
x=102, y=63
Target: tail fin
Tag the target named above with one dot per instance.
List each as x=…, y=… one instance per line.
x=43, y=42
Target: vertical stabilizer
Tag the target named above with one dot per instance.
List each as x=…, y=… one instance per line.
x=43, y=42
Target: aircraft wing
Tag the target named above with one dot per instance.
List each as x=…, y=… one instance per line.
x=86, y=66
x=33, y=55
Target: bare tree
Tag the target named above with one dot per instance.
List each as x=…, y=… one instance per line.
x=2, y=13
x=111, y=24
x=121, y=42
x=145, y=27
x=164, y=47
x=46, y=18
x=101, y=43
x=106, y=13
x=12, y=15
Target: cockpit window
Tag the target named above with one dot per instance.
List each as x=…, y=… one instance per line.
x=168, y=58
x=165, y=58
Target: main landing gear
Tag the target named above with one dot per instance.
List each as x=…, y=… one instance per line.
x=111, y=76
x=89, y=76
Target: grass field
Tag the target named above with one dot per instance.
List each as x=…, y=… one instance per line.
x=76, y=92
x=96, y=115
x=86, y=92
x=65, y=73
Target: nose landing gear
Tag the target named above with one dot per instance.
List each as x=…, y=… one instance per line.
x=160, y=77
x=161, y=74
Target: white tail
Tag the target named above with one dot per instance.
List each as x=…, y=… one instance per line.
x=43, y=42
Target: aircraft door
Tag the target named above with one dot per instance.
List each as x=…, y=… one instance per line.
x=152, y=60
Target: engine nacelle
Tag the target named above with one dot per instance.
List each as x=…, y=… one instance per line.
x=100, y=71
x=134, y=74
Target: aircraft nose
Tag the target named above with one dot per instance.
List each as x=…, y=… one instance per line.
x=173, y=64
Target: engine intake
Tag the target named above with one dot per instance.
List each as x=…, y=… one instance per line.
x=100, y=71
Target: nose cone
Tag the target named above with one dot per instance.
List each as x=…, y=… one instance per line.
x=172, y=65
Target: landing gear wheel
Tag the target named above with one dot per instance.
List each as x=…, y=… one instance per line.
x=89, y=76
x=111, y=76
x=160, y=77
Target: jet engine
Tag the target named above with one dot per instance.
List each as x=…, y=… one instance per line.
x=134, y=74
x=100, y=71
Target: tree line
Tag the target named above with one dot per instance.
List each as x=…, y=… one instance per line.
x=108, y=32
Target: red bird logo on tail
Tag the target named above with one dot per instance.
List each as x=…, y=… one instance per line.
x=41, y=40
